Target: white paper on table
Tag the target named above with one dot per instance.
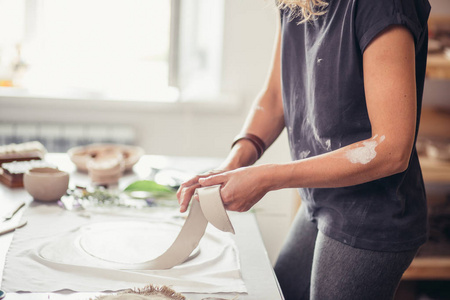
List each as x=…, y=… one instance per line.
x=59, y=250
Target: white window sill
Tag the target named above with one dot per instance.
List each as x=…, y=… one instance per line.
x=17, y=97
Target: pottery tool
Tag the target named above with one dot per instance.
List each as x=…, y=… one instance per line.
x=13, y=211
x=12, y=228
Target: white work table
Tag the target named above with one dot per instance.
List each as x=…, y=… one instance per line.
x=256, y=268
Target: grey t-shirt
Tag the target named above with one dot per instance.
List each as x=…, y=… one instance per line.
x=325, y=109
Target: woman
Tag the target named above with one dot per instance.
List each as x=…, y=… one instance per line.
x=346, y=82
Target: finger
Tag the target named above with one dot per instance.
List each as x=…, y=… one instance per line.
x=191, y=181
x=196, y=197
x=186, y=184
x=212, y=172
x=212, y=180
x=186, y=196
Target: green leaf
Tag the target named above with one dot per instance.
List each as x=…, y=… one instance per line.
x=149, y=186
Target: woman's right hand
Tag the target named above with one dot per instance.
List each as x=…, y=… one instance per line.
x=187, y=189
x=242, y=154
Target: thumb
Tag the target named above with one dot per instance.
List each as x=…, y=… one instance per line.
x=211, y=180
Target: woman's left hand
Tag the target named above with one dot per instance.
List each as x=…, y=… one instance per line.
x=241, y=188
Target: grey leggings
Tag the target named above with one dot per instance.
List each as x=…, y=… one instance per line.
x=314, y=266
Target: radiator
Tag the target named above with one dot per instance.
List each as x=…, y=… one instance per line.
x=61, y=137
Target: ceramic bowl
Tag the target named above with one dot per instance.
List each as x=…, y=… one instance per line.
x=106, y=168
x=81, y=155
x=46, y=184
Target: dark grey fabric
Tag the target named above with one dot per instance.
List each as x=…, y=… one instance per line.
x=314, y=266
x=325, y=109
x=294, y=263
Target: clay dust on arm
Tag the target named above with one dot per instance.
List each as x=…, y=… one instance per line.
x=365, y=153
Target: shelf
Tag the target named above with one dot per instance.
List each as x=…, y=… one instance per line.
x=438, y=66
x=434, y=124
x=428, y=268
x=435, y=171
x=433, y=259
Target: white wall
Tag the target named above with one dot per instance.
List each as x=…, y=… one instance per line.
x=196, y=129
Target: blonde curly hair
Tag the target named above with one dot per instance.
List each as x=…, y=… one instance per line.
x=305, y=9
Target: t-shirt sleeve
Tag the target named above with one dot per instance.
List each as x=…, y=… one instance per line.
x=373, y=16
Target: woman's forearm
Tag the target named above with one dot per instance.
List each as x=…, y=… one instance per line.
x=354, y=164
x=357, y=163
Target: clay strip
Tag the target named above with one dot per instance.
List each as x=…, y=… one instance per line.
x=210, y=209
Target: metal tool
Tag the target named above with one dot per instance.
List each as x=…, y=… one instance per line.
x=11, y=214
x=12, y=228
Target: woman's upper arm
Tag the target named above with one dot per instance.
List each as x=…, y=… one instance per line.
x=273, y=85
x=390, y=89
x=266, y=118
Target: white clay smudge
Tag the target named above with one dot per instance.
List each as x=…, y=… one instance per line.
x=365, y=153
x=304, y=154
x=325, y=144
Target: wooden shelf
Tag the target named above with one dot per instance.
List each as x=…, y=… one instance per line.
x=435, y=171
x=438, y=66
x=431, y=267
x=428, y=268
x=435, y=123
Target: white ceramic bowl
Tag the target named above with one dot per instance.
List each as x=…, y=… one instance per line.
x=46, y=184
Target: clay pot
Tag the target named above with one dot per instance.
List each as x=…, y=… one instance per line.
x=46, y=184
x=81, y=155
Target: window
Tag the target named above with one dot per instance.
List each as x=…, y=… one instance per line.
x=151, y=50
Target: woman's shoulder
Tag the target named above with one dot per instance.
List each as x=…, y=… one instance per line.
x=371, y=17
x=415, y=10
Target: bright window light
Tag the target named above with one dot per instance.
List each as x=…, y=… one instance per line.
x=114, y=49
x=144, y=50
